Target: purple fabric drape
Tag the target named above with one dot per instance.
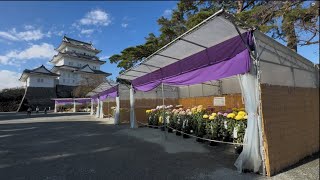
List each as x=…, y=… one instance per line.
x=66, y=101
x=214, y=59
x=83, y=100
x=71, y=101
x=112, y=92
x=237, y=65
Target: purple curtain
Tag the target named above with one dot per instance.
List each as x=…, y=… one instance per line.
x=225, y=59
x=66, y=101
x=112, y=92
x=83, y=100
x=238, y=65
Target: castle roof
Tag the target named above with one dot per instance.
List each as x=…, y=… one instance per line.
x=76, y=43
x=79, y=55
x=42, y=70
x=83, y=69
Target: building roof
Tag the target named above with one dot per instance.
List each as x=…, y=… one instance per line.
x=79, y=44
x=42, y=70
x=84, y=69
x=80, y=56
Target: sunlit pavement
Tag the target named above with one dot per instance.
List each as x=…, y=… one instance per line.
x=78, y=146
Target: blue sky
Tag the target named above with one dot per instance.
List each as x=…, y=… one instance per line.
x=29, y=31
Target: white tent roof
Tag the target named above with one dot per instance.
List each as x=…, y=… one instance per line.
x=102, y=87
x=214, y=30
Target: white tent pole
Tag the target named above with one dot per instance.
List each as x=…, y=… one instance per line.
x=163, y=114
x=74, y=105
x=132, y=115
x=55, y=106
x=98, y=108
x=117, y=113
x=108, y=108
x=91, y=112
x=101, y=109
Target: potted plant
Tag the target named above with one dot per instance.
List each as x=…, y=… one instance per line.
x=239, y=130
x=179, y=122
x=213, y=128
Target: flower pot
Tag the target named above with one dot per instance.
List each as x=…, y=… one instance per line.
x=185, y=136
x=212, y=143
x=238, y=149
x=178, y=133
x=169, y=130
x=199, y=140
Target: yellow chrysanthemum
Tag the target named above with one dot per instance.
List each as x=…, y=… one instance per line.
x=238, y=117
x=211, y=117
x=231, y=115
x=205, y=116
x=148, y=111
x=234, y=109
x=242, y=109
x=213, y=114
x=245, y=117
x=242, y=113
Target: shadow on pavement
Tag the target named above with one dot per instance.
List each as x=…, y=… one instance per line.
x=23, y=115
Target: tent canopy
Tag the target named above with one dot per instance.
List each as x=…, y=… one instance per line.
x=198, y=45
x=101, y=88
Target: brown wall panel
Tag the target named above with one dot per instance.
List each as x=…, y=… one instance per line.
x=290, y=123
x=232, y=101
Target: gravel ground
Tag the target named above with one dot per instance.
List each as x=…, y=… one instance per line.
x=77, y=146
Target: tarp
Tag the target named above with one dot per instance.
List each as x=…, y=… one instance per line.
x=225, y=59
x=67, y=101
x=112, y=92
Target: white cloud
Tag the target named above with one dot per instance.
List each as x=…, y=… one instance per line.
x=96, y=17
x=124, y=25
x=28, y=27
x=104, y=57
x=44, y=51
x=29, y=35
x=87, y=31
x=9, y=79
x=167, y=13
x=8, y=36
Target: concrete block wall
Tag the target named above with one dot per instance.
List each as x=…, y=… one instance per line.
x=290, y=125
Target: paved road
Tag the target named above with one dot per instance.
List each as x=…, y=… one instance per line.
x=76, y=146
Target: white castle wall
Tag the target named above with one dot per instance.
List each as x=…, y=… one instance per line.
x=40, y=81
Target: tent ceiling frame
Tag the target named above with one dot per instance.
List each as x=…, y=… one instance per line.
x=150, y=65
x=191, y=42
x=167, y=57
x=265, y=61
x=178, y=38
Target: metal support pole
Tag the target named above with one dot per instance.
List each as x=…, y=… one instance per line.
x=108, y=108
x=55, y=106
x=163, y=113
x=74, y=105
x=91, y=112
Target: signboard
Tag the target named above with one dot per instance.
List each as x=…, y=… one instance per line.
x=219, y=101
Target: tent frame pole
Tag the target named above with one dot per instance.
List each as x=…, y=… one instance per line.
x=108, y=107
x=163, y=108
